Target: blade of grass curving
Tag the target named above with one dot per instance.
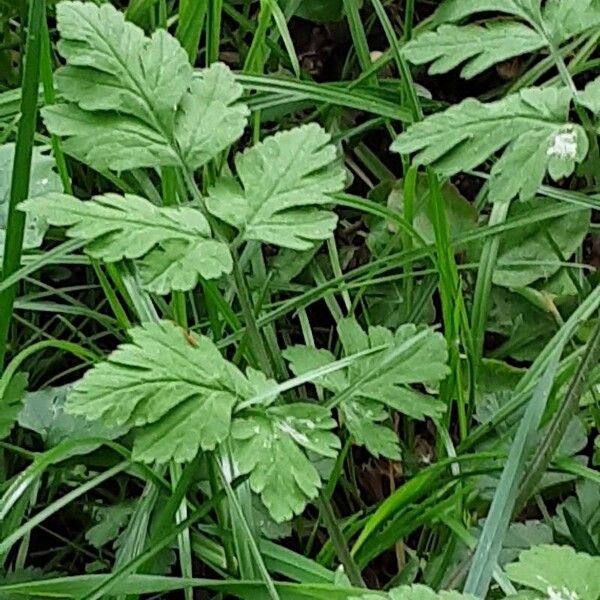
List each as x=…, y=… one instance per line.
x=107, y=584
x=503, y=503
x=282, y=26
x=560, y=421
x=15, y=225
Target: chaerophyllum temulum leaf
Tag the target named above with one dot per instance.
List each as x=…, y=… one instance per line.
x=372, y=386
x=174, y=245
x=132, y=101
x=531, y=127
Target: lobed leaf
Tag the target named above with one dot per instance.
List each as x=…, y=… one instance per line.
x=270, y=445
x=381, y=380
x=132, y=100
x=559, y=572
x=174, y=243
x=176, y=387
x=531, y=126
x=479, y=46
x=280, y=183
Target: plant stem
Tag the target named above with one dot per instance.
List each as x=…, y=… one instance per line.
x=15, y=225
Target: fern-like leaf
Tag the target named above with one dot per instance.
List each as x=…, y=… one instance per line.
x=174, y=386
x=482, y=46
x=280, y=183
x=132, y=101
x=270, y=444
x=173, y=243
x=380, y=381
x=532, y=125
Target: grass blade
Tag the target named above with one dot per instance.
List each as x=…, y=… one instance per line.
x=19, y=190
x=498, y=519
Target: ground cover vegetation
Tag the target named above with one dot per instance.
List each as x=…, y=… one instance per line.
x=299, y=299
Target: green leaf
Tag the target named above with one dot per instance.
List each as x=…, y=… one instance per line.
x=271, y=446
x=43, y=412
x=129, y=390
x=11, y=402
x=110, y=521
x=584, y=506
x=460, y=213
x=526, y=253
x=174, y=243
x=321, y=11
x=381, y=380
x=559, y=572
x=204, y=134
x=566, y=18
x=479, y=46
x=590, y=97
x=456, y=10
x=281, y=183
x=132, y=101
x=42, y=180
x=532, y=126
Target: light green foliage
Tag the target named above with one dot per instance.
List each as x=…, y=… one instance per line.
x=130, y=389
x=132, y=100
x=456, y=10
x=180, y=394
x=532, y=126
x=383, y=380
x=481, y=46
x=560, y=570
x=280, y=183
x=270, y=444
x=11, y=401
x=174, y=243
x=43, y=179
x=528, y=253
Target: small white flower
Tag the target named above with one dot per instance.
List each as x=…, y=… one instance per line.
x=564, y=144
x=45, y=181
x=564, y=594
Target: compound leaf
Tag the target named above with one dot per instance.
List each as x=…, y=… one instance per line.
x=281, y=182
x=558, y=571
x=479, y=46
x=379, y=381
x=176, y=387
x=270, y=445
x=532, y=123
x=174, y=243
x=132, y=100
x=564, y=19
